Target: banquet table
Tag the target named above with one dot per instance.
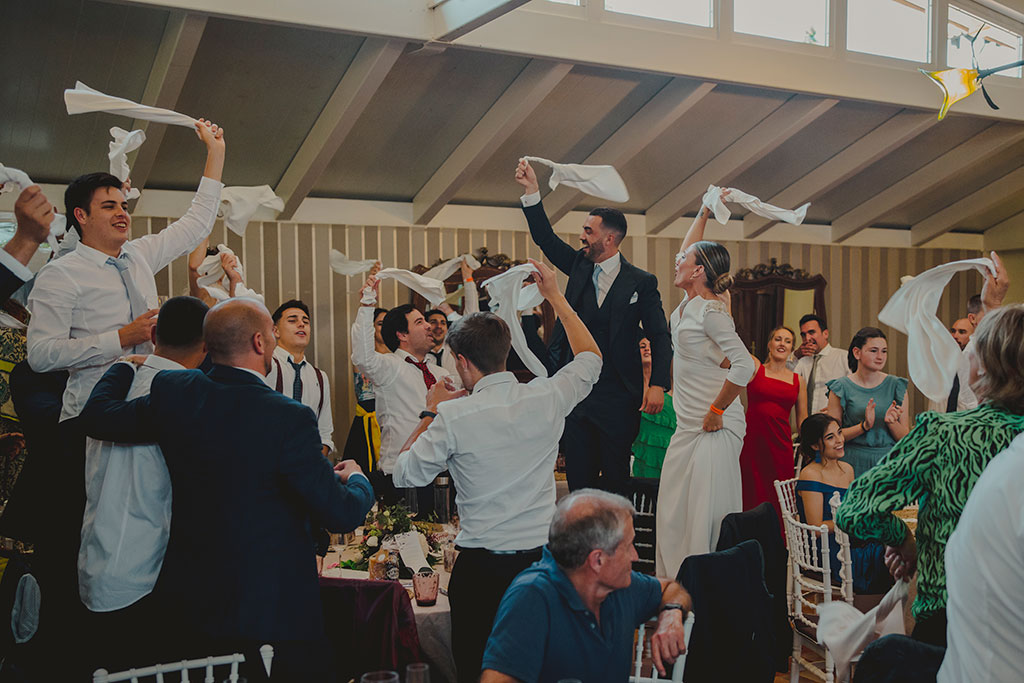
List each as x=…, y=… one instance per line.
x=433, y=624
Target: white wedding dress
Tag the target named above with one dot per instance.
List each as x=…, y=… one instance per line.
x=700, y=479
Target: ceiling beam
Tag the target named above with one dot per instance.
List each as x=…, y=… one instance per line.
x=520, y=99
x=347, y=103
x=455, y=18
x=1006, y=235
x=173, y=61
x=782, y=124
x=642, y=129
x=979, y=201
x=976, y=150
x=895, y=132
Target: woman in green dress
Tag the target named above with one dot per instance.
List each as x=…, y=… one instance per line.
x=655, y=430
x=869, y=404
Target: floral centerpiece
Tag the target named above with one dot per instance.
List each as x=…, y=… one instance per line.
x=383, y=524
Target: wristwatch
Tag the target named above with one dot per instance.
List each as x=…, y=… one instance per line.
x=673, y=605
x=428, y=413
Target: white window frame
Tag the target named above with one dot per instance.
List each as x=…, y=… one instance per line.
x=982, y=12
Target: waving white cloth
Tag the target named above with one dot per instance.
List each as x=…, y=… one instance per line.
x=713, y=200
x=845, y=630
x=603, y=182
x=82, y=99
x=123, y=143
x=932, y=354
x=430, y=289
x=342, y=265
x=505, y=290
x=443, y=271
x=215, y=281
x=12, y=179
x=239, y=204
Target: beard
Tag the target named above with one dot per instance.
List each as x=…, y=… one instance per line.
x=593, y=252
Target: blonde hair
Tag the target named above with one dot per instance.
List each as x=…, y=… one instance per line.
x=999, y=346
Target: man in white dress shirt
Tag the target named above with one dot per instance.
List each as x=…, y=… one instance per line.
x=819, y=363
x=500, y=445
x=400, y=379
x=88, y=308
x=293, y=374
x=128, y=503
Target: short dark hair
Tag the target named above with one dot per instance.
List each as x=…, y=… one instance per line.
x=396, y=320
x=291, y=303
x=812, y=318
x=180, y=322
x=611, y=219
x=78, y=194
x=974, y=305
x=859, y=340
x=483, y=338
x=378, y=311
x=435, y=311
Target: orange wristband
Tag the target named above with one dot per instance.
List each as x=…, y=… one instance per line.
x=468, y=279
x=716, y=411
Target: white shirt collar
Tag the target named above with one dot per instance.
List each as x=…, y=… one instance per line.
x=492, y=379
x=283, y=355
x=94, y=255
x=250, y=370
x=160, y=363
x=610, y=264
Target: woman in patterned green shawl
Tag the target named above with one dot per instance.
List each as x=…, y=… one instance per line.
x=937, y=464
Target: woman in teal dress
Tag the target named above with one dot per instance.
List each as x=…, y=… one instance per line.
x=869, y=404
x=824, y=473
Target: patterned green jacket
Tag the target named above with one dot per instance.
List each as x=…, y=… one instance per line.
x=937, y=464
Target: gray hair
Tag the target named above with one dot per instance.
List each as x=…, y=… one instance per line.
x=587, y=520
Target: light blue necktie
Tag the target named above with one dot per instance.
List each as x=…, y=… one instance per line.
x=597, y=289
x=136, y=302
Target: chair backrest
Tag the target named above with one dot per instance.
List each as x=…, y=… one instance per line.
x=845, y=557
x=809, y=563
x=207, y=664
x=644, y=494
x=786, y=491
x=643, y=651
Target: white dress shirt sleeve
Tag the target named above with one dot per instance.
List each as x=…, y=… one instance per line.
x=573, y=382
x=472, y=298
x=325, y=421
x=379, y=368
x=720, y=327
x=184, y=234
x=50, y=347
x=427, y=457
x=531, y=199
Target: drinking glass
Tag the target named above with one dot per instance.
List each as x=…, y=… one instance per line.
x=417, y=673
x=379, y=677
x=424, y=585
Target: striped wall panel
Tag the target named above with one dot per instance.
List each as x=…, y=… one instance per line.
x=290, y=260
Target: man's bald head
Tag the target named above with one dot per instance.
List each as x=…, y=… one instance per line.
x=239, y=332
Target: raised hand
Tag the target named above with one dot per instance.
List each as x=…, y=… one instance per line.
x=545, y=279
x=994, y=290
x=229, y=262
x=33, y=213
x=869, y=415
x=894, y=413
x=526, y=177
x=210, y=133
x=138, y=331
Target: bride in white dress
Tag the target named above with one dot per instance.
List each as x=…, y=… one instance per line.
x=700, y=480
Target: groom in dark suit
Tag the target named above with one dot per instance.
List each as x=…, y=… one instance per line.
x=613, y=298
x=249, y=483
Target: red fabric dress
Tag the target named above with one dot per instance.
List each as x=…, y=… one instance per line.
x=767, y=452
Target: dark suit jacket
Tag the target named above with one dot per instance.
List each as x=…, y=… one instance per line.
x=623, y=354
x=249, y=481
x=9, y=283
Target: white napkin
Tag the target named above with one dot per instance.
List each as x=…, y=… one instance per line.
x=713, y=200
x=443, y=271
x=506, y=291
x=341, y=264
x=932, y=354
x=845, y=630
x=603, y=182
x=215, y=281
x=239, y=204
x=123, y=143
x=83, y=99
x=12, y=179
x=430, y=289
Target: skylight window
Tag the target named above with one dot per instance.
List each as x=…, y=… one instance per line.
x=994, y=46
x=798, y=21
x=890, y=28
x=695, y=12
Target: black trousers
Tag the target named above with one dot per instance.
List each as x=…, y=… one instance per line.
x=899, y=659
x=597, y=450
x=479, y=580
x=931, y=630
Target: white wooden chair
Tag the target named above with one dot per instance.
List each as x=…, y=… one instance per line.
x=206, y=664
x=643, y=649
x=786, y=491
x=845, y=556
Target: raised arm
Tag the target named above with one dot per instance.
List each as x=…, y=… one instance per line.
x=33, y=213
x=576, y=332
x=379, y=368
x=557, y=251
x=108, y=417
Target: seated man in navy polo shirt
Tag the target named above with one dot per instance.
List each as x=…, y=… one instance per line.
x=573, y=613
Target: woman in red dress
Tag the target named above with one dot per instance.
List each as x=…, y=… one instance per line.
x=768, y=446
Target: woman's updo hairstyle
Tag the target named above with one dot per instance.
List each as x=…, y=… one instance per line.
x=812, y=431
x=859, y=340
x=715, y=259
